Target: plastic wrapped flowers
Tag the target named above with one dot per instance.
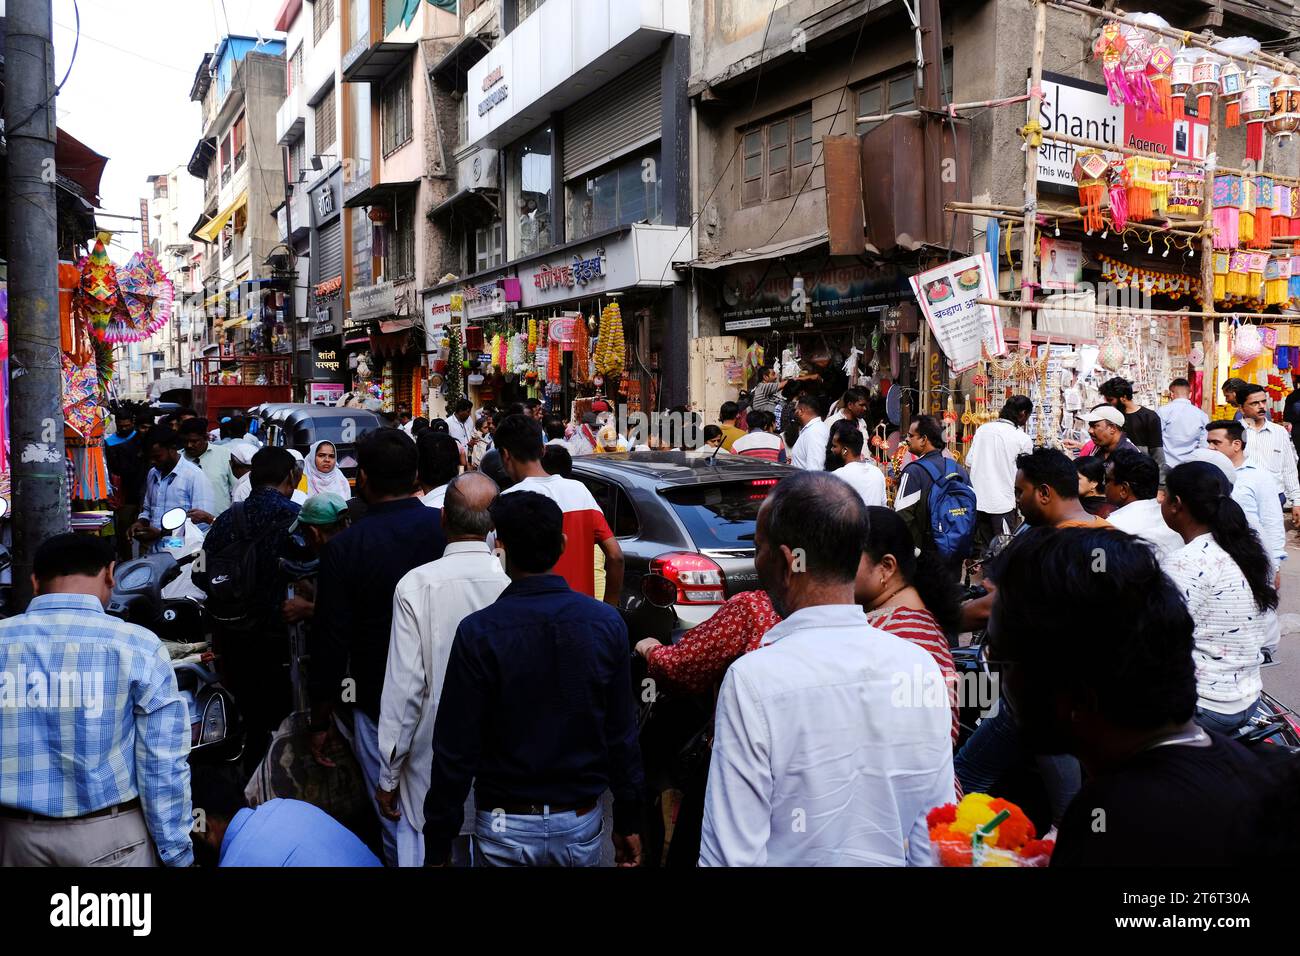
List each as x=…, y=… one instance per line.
x=985, y=831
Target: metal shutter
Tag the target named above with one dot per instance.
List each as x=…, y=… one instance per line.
x=329, y=251
x=616, y=119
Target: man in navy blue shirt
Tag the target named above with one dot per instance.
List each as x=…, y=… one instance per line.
x=537, y=711
x=359, y=571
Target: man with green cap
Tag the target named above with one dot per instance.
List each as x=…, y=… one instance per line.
x=321, y=518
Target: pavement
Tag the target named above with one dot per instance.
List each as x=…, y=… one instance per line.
x=1282, y=680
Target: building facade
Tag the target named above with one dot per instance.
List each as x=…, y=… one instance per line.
x=241, y=87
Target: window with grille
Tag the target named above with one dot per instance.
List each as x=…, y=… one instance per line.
x=526, y=8
x=401, y=255
x=297, y=158
x=321, y=18
x=395, y=110
x=225, y=159
x=775, y=158
x=489, y=249
x=895, y=92
x=324, y=120
x=293, y=71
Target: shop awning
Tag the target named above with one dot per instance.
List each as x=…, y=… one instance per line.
x=467, y=199
x=79, y=163
x=453, y=68
x=777, y=250
x=380, y=193
x=213, y=229
x=396, y=325
x=376, y=62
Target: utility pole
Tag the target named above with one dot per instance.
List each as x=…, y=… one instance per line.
x=36, y=413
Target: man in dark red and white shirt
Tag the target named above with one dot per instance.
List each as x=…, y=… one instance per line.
x=519, y=441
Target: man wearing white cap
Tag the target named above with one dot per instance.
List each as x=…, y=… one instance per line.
x=1106, y=426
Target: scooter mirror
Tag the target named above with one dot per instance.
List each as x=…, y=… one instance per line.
x=4, y=507
x=173, y=519
x=658, y=590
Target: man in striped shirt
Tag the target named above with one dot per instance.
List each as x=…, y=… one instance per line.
x=519, y=442
x=1269, y=445
x=762, y=441
x=94, y=733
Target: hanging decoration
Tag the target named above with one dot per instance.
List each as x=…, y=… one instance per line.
x=1231, y=82
x=1180, y=82
x=147, y=296
x=1118, y=196
x=1148, y=187
x=1226, y=216
x=1186, y=192
x=97, y=294
x=1281, y=210
x=609, y=351
x=1206, y=72
x=1090, y=174
x=1256, y=105
x=1284, y=107
x=581, y=353
x=455, y=365
x=1263, y=195
x=1126, y=276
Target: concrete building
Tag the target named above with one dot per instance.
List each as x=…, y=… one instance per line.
x=768, y=82
x=309, y=127
x=572, y=183
x=162, y=362
x=240, y=85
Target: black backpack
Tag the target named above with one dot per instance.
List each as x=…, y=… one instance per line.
x=229, y=576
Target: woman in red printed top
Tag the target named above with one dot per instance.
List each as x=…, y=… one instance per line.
x=909, y=595
x=699, y=660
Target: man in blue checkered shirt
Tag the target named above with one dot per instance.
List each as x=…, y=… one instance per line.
x=94, y=734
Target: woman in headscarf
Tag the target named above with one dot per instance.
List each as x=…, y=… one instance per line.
x=322, y=472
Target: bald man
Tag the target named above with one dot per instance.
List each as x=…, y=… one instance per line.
x=428, y=606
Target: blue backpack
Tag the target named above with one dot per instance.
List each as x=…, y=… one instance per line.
x=952, y=510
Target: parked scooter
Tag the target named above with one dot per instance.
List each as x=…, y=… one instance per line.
x=182, y=624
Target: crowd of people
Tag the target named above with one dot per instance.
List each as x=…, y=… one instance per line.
x=466, y=651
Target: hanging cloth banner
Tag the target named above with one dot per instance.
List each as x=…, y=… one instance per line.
x=963, y=327
x=1145, y=280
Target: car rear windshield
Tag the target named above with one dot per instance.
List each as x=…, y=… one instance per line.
x=720, y=517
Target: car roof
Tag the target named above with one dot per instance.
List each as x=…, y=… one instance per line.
x=679, y=468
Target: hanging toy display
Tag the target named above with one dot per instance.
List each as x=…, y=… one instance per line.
x=1231, y=81
x=1256, y=105
x=1090, y=174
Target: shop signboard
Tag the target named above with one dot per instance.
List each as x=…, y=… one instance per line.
x=325, y=393
x=373, y=302
x=483, y=300
x=327, y=363
x=760, y=295
x=1082, y=109
x=961, y=326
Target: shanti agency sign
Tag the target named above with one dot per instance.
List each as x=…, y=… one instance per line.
x=960, y=324
x=1081, y=109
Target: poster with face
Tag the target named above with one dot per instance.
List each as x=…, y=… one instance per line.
x=1060, y=263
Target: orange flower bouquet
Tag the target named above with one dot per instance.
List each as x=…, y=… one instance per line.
x=985, y=831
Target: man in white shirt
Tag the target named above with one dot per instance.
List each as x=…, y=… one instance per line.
x=809, y=451
x=1269, y=445
x=1132, y=482
x=851, y=408
x=461, y=428
x=862, y=476
x=428, y=606
x=1259, y=495
x=828, y=748
x=991, y=462
x=1182, y=424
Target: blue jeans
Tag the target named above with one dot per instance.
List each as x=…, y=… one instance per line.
x=365, y=747
x=1226, y=724
x=997, y=747
x=547, y=839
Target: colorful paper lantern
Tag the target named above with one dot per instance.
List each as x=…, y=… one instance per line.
x=1231, y=81
x=1206, y=73
x=1180, y=82
x=1284, y=107
x=1256, y=106
x=1090, y=173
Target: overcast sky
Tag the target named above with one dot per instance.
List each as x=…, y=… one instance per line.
x=128, y=96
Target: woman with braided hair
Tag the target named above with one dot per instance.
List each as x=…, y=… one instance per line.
x=1224, y=575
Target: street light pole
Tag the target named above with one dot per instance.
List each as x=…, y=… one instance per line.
x=36, y=413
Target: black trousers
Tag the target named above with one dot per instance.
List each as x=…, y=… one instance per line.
x=988, y=526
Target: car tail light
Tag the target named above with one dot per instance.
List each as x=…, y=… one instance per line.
x=763, y=482
x=699, y=580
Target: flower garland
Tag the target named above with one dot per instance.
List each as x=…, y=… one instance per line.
x=581, y=353
x=455, y=364
x=985, y=831
x=1148, y=281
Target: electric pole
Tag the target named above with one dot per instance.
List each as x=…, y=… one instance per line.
x=36, y=403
